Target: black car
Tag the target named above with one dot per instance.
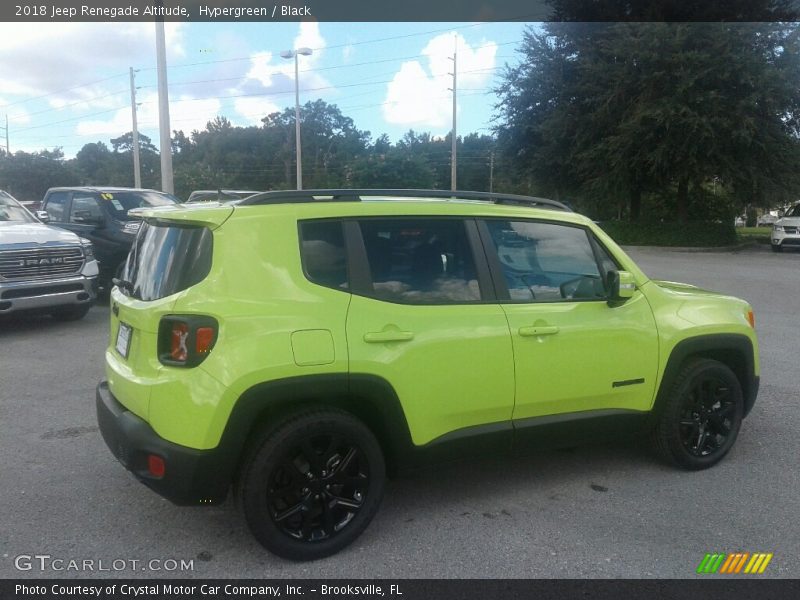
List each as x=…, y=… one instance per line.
x=100, y=214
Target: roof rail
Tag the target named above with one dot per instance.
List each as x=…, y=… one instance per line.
x=357, y=195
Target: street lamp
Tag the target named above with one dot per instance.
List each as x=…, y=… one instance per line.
x=294, y=54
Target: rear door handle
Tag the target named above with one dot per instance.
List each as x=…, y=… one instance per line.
x=392, y=335
x=541, y=330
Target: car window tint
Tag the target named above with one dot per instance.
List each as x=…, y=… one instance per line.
x=546, y=262
x=85, y=209
x=420, y=261
x=56, y=206
x=323, y=253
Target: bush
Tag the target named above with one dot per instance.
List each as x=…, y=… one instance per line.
x=696, y=233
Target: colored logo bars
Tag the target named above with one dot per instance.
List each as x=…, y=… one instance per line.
x=739, y=562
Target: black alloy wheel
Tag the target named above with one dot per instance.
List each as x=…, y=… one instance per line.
x=701, y=418
x=312, y=483
x=319, y=487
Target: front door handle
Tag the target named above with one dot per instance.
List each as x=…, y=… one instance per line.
x=540, y=330
x=389, y=335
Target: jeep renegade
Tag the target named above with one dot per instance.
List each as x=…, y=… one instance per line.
x=300, y=345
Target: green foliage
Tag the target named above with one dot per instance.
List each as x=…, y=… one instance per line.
x=696, y=233
x=27, y=176
x=620, y=111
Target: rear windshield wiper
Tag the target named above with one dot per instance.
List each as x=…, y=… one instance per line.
x=123, y=284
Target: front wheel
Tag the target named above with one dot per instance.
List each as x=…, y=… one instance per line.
x=776, y=247
x=702, y=416
x=312, y=484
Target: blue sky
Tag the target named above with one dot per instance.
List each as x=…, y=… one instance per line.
x=66, y=84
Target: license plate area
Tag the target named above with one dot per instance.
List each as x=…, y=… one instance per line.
x=124, y=335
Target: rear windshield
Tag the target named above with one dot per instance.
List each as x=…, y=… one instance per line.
x=119, y=203
x=166, y=260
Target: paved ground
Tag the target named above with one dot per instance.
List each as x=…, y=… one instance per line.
x=609, y=511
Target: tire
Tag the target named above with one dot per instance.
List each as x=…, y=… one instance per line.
x=312, y=484
x=71, y=313
x=702, y=416
x=776, y=247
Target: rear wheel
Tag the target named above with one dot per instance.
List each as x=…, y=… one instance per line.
x=312, y=484
x=702, y=417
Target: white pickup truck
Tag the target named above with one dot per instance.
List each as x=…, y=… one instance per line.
x=43, y=268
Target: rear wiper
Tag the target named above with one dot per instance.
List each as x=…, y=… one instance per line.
x=123, y=284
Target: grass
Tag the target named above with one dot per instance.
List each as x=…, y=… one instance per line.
x=760, y=235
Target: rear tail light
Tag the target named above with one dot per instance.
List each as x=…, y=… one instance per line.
x=186, y=340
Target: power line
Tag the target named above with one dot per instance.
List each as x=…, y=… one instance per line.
x=63, y=90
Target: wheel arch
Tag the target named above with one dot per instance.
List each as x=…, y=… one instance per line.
x=733, y=350
x=369, y=398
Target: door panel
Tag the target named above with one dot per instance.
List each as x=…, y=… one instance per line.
x=423, y=317
x=573, y=352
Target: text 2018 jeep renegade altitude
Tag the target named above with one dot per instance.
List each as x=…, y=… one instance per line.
x=300, y=345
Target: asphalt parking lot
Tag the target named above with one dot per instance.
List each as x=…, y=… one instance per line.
x=607, y=511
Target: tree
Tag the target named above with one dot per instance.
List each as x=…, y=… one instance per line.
x=630, y=110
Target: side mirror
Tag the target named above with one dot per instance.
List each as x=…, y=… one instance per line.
x=43, y=216
x=621, y=286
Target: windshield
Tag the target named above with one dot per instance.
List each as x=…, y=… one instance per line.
x=793, y=212
x=11, y=210
x=120, y=202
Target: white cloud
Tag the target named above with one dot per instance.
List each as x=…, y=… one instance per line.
x=419, y=96
x=50, y=58
x=270, y=79
x=185, y=113
x=252, y=110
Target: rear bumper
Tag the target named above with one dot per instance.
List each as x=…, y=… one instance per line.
x=191, y=477
x=45, y=294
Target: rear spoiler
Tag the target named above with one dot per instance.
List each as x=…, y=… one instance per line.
x=207, y=214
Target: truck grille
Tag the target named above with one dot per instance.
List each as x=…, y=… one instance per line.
x=36, y=263
x=790, y=229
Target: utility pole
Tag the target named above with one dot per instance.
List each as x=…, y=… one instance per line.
x=137, y=171
x=8, y=152
x=453, y=149
x=298, y=148
x=491, y=171
x=167, y=182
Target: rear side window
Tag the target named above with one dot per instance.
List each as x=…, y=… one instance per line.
x=546, y=262
x=323, y=253
x=165, y=260
x=420, y=261
x=56, y=206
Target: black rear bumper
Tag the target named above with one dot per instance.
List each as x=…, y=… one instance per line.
x=191, y=477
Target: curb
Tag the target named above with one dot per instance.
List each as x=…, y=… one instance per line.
x=736, y=248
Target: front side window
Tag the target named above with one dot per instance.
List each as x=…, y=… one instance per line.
x=56, y=206
x=546, y=262
x=420, y=261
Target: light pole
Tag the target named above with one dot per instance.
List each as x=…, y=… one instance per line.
x=294, y=54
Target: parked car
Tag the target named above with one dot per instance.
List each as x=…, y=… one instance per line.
x=300, y=345
x=100, y=214
x=786, y=230
x=42, y=268
x=219, y=195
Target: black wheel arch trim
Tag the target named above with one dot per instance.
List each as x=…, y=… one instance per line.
x=733, y=350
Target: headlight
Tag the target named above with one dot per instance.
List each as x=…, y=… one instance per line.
x=88, y=249
x=777, y=228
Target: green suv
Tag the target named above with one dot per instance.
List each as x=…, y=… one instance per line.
x=299, y=346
